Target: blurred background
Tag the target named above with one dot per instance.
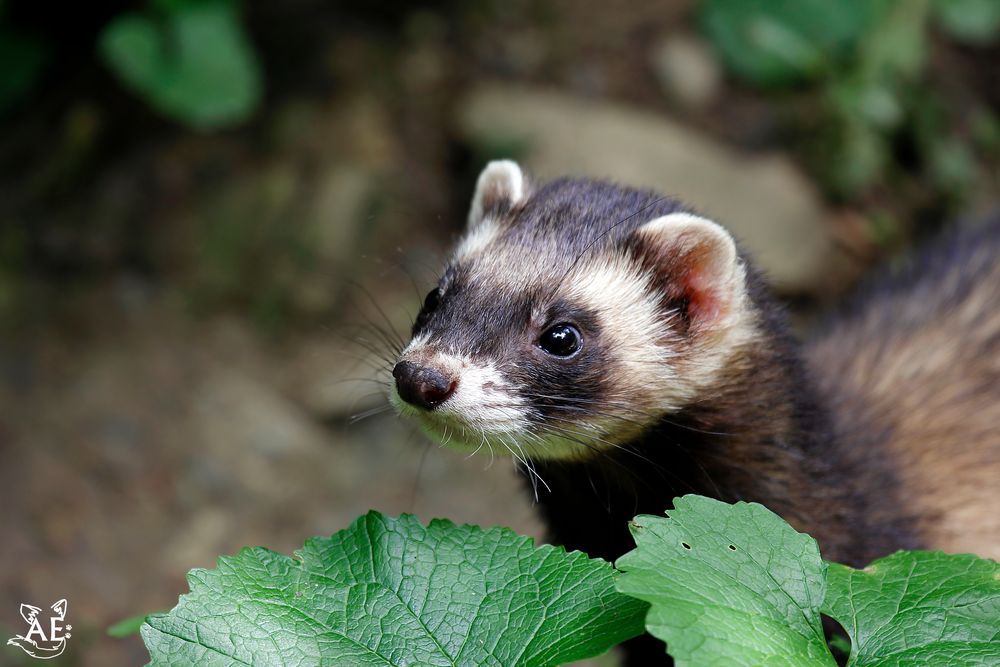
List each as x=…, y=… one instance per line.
x=205, y=204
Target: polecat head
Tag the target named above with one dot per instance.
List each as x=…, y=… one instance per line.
x=572, y=316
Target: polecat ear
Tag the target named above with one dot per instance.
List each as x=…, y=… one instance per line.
x=501, y=185
x=696, y=262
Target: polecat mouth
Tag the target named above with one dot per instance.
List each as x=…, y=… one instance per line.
x=451, y=428
x=516, y=438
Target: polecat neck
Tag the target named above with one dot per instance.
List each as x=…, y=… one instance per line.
x=762, y=435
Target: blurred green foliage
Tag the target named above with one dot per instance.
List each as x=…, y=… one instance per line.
x=891, y=104
x=188, y=59
x=776, y=43
x=868, y=59
x=972, y=21
x=779, y=42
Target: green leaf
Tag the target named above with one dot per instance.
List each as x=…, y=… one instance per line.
x=729, y=585
x=971, y=21
x=919, y=609
x=895, y=47
x=776, y=43
x=194, y=65
x=392, y=592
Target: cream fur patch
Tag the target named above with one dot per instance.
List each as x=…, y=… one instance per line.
x=654, y=370
x=483, y=406
x=499, y=179
x=477, y=240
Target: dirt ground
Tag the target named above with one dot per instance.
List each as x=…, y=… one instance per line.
x=159, y=445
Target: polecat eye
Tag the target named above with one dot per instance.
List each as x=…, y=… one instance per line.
x=561, y=340
x=431, y=300
x=429, y=306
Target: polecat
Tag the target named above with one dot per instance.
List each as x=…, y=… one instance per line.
x=625, y=351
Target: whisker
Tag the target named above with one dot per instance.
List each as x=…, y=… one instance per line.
x=569, y=404
x=420, y=468
x=376, y=348
x=481, y=443
x=531, y=467
x=339, y=381
x=369, y=413
x=393, y=334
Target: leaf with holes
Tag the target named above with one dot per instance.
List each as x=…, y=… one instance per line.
x=729, y=585
x=919, y=609
x=393, y=592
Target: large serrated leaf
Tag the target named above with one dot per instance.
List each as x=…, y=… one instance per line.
x=729, y=585
x=392, y=592
x=919, y=609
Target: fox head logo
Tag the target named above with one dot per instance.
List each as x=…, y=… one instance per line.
x=36, y=642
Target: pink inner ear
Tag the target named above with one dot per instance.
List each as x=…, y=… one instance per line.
x=702, y=289
x=693, y=263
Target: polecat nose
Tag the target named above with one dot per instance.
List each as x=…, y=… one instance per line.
x=422, y=386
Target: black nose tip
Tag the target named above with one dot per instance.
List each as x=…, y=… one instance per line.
x=422, y=386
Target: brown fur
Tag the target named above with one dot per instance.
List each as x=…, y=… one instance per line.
x=913, y=379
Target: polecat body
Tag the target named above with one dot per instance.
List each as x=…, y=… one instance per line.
x=911, y=375
x=626, y=352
